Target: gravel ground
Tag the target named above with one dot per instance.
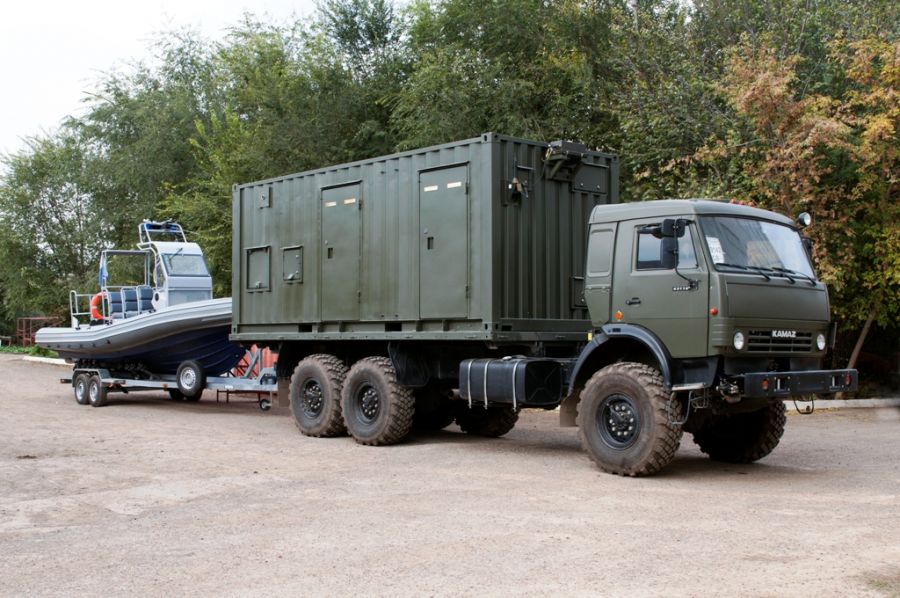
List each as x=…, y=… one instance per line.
x=156, y=498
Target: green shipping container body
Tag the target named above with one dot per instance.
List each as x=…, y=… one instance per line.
x=481, y=239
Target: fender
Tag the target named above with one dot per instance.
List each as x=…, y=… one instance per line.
x=640, y=334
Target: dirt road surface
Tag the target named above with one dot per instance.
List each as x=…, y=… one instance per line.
x=156, y=498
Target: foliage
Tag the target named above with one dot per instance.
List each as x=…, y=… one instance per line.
x=836, y=157
x=792, y=103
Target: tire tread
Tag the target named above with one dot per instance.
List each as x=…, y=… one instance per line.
x=668, y=434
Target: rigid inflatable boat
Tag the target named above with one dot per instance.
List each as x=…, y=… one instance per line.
x=168, y=319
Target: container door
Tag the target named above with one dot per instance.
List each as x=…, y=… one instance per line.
x=444, y=243
x=340, y=253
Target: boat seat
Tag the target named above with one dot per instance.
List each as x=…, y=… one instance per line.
x=115, y=304
x=145, y=298
x=130, y=301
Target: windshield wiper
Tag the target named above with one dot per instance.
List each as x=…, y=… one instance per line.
x=787, y=272
x=760, y=271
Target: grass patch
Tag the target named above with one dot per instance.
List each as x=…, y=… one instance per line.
x=33, y=351
x=886, y=585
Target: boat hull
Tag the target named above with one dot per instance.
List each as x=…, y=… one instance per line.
x=158, y=341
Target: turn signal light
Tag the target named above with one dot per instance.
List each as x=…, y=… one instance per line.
x=714, y=311
x=847, y=378
x=765, y=384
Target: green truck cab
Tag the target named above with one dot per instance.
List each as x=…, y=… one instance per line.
x=717, y=316
x=467, y=281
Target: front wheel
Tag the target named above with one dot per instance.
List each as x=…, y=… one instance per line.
x=742, y=437
x=624, y=420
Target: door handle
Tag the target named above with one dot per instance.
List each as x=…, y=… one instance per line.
x=633, y=301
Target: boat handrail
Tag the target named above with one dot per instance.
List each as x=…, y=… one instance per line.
x=75, y=313
x=148, y=230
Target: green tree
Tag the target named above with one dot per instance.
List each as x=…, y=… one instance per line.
x=51, y=230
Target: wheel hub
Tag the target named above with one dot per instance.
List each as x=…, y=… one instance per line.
x=188, y=378
x=369, y=403
x=618, y=421
x=312, y=398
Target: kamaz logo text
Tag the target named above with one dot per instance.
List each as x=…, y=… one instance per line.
x=784, y=334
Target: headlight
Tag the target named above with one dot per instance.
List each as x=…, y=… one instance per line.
x=738, y=340
x=820, y=342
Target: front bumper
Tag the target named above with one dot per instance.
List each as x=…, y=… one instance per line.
x=778, y=385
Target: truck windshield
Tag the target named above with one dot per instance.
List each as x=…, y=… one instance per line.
x=758, y=245
x=179, y=264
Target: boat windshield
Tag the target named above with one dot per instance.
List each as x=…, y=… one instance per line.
x=179, y=264
x=756, y=245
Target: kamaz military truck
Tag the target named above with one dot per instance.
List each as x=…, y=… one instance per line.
x=467, y=281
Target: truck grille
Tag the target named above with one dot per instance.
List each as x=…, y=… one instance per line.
x=762, y=341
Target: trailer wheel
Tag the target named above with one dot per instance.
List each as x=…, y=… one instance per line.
x=377, y=409
x=742, y=437
x=96, y=391
x=624, y=420
x=315, y=394
x=191, y=380
x=493, y=422
x=80, y=388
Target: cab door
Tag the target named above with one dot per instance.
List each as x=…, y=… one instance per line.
x=653, y=295
x=598, y=278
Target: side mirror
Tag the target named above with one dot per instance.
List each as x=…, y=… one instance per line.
x=673, y=228
x=804, y=219
x=669, y=252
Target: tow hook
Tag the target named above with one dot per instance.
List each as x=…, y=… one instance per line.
x=730, y=392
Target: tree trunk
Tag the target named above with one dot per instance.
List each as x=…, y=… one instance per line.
x=859, y=344
x=862, y=339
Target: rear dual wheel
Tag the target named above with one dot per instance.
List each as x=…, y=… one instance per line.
x=315, y=394
x=493, y=422
x=377, y=409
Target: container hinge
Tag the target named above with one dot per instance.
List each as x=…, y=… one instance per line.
x=467, y=291
x=358, y=296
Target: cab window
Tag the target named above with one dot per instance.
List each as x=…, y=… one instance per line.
x=650, y=250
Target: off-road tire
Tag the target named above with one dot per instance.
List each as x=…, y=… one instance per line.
x=742, y=437
x=377, y=409
x=493, y=422
x=191, y=380
x=624, y=420
x=315, y=395
x=80, y=388
x=434, y=410
x=96, y=391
